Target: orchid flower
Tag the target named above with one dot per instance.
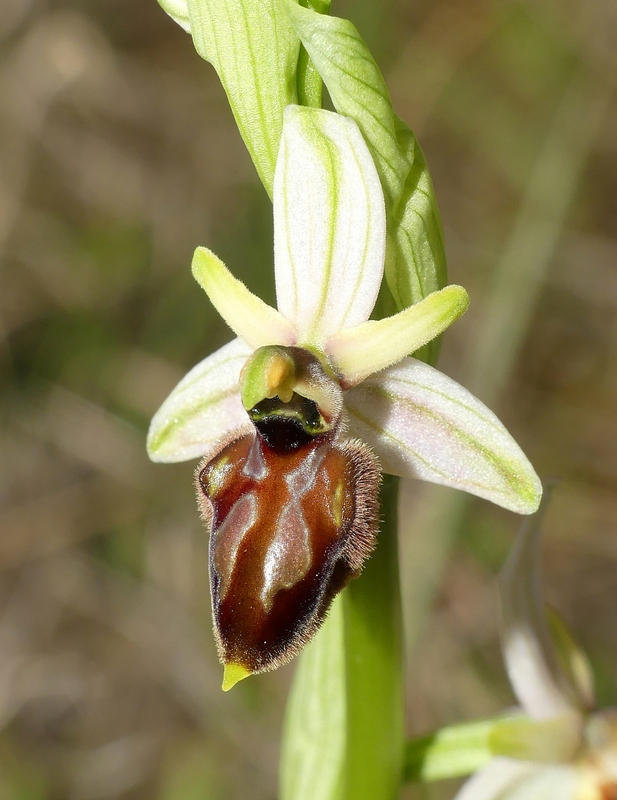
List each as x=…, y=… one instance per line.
x=296, y=417
x=561, y=751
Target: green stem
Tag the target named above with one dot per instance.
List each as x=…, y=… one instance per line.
x=308, y=79
x=314, y=736
x=374, y=667
x=344, y=729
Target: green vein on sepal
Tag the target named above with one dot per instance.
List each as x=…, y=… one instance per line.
x=524, y=492
x=161, y=438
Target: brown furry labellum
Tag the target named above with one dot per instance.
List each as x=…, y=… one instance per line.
x=293, y=518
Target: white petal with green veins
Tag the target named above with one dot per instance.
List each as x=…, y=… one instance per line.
x=358, y=352
x=203, y=408
x=424, y=425
x=246, y=314
x=329, y=224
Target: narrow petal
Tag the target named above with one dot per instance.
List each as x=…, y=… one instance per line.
x=329, y=224
x=531, y=659
x=491, y=782
x=425, y=425
x=203, y=408
x=246, y=314
x=359, y=352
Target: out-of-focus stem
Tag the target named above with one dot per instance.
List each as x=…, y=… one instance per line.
x=535, y=234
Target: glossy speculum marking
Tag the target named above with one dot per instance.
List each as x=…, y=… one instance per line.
x=293, y=518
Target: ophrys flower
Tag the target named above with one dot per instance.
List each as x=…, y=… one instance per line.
x=283, y=414
x=562, y=750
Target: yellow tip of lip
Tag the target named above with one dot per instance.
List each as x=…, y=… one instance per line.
x=233, y=674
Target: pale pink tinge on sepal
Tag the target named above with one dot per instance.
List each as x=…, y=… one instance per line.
x=203, y=409
x=424, y=425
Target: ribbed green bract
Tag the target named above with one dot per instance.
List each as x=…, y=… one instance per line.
x=416, y=255
x=356, y=86
x=254, y=49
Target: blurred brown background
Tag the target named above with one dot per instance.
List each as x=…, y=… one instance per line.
x=118, y=155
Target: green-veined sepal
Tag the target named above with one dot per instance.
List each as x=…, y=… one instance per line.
x=203, y=409
x=329, y=225
x=424, y=425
